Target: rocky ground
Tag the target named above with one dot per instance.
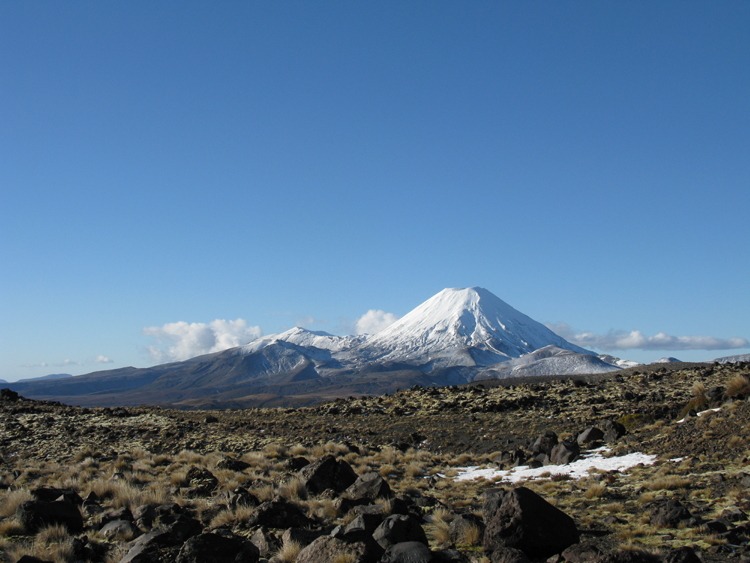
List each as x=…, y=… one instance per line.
x=151, y=484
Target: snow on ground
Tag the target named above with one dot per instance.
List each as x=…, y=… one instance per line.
x=578, y=469
x=702, y=413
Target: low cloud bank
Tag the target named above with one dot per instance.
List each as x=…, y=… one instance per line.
x=181, y=341
x=635, y=339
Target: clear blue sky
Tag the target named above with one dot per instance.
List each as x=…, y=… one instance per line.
x=304, y=162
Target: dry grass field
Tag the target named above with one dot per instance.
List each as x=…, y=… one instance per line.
x=134, y=460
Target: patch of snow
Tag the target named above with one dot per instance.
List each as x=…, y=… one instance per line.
x=702, y=413
x=608, y=359
x=578, y=469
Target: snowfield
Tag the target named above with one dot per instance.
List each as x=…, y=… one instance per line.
x=578, y=469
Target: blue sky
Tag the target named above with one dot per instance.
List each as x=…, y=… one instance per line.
x=284, y=163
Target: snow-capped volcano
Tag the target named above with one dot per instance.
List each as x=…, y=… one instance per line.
x=457, y=336
x=461, y=327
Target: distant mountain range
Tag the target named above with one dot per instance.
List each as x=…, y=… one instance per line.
x=457, y=336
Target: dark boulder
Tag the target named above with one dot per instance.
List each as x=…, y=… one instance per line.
x=328, y=548
x=545, y=443
x=683, y=554
x=627, y=556
x=265, y=541
x=119, y=529
x=297, y=463
x=613, y=431
x=527, y=522
x=449, y=556
x=232, y=464
x=51, y=494
x=37, y=514
x=581, y=552
x=493, y=498
x=327, y=473
x=364, y=523
x=214, y=548
x=279, y=513
x=201, y=481
x=399, y=528
x=8, y=395
x=670, y=515
x=408, y=552
x=592, y=434
x=368, y=487
x=508, y=555
x=564, y=453
x=239, y=497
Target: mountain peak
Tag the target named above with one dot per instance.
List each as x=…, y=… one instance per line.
x=463, y=326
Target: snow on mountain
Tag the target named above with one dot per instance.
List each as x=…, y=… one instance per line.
x=733, y=359
x=666, y=360
x=612, y=360
x=305, y=339
x=461, y=327
x=549, y=360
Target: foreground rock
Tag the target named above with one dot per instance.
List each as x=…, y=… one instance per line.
x=527, y=522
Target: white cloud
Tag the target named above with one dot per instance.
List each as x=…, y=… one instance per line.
x=102, y=360
x=180, y=341
x=374, y=321
x=635, y=339
x=66, y=363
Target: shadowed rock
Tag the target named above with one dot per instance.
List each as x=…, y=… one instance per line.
x=368, y=487
x=214, y=548
x=399, y=528
x=327, y=473
x=36, y=514
x=527, y=522
x=408, y=552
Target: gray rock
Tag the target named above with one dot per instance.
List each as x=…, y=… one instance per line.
x=670, y=515
x=368, y=487
x=327, y=548
x=399, y=528
x=545, y=443
x=564, y=453
x=119, y=529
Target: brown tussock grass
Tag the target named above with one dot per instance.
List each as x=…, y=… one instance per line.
x=9, y=501
x=668, y=483
x=288, y=552
x=595, y=491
